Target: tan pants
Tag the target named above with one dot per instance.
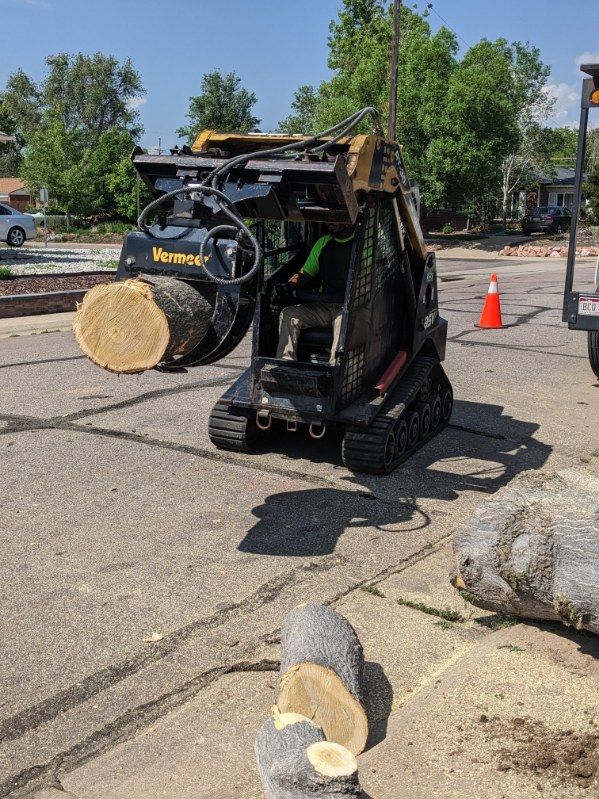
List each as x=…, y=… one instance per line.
x=295, y=318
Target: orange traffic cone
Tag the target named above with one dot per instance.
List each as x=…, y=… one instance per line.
x=491, y=316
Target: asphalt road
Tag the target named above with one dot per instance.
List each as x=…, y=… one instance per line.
x=119, y=520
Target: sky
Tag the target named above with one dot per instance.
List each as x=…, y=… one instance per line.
x=273, y=45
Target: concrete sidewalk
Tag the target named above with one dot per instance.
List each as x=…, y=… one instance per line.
x=460, y=704
x=43, y=323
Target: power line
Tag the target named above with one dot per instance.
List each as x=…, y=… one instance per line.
x=446, y=23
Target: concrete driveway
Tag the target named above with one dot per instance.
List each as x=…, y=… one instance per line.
x=121, y=524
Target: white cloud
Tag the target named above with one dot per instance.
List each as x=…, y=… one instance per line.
x=133, y=103
x=566, y=97
x=587, y=58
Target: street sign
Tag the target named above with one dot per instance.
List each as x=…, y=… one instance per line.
x=44, y=196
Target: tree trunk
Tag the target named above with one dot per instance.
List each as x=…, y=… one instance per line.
x=296, y=762
x=533, y=550
x=133, y=325
x=321, y=673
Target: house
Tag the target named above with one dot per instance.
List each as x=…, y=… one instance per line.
x=15, y=193
x=557, y=189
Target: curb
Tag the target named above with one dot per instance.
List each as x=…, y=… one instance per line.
x=36, y=304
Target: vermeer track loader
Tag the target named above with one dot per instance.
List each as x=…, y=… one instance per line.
x=237, y=219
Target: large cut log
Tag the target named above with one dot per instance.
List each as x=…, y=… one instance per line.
x=133, y=325
x=533, y=550
x=296, y=762
x=321, y=674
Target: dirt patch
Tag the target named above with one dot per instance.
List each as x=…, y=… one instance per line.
x=570, y=757
x=41, y=284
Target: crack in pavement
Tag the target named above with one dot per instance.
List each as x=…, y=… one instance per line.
x=135, y=719
x=125, y=727
x=32, y=717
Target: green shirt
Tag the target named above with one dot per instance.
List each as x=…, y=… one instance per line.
x=329, y=259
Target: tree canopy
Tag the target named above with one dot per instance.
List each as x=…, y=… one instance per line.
x=457, y=119
x=223, y=104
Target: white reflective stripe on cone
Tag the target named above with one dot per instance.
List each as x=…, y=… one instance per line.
x=493, y=288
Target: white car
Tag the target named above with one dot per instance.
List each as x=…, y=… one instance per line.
x=15, y=226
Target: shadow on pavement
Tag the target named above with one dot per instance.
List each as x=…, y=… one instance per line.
x=310, y=522
x=378, y=702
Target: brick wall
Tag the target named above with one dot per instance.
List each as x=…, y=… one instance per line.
x=34, y=304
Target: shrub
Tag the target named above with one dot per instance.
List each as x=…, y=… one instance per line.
x=447, y=228
x=5, y=271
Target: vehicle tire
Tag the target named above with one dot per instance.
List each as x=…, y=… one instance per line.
x=16, y=237
x=594, y=350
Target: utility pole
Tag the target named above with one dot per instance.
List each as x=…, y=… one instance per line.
x=394, y=65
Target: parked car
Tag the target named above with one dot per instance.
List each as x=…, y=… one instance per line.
x=15, y=226
x=548, y=219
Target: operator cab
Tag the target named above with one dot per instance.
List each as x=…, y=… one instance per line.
x=287, y=246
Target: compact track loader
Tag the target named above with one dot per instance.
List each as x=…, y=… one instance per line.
x=237, y=216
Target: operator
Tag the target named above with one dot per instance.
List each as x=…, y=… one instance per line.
x=329, y=260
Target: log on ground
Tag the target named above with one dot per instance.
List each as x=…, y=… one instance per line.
x=322, y=663
x=133, y=325
x=296, y=762
x=533, y=550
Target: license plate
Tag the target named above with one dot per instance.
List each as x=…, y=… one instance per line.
x=588, y=306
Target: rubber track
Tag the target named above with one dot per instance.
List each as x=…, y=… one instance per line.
x=228, y=430
x=363, y=448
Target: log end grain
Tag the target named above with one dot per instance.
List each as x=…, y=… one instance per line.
x=316, y=692
x=120, y=328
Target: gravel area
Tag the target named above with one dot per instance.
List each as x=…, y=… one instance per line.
x=40, y=260
x=46, y=283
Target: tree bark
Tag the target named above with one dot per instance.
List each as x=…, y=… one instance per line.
x=133, y=325
x=296, y=762
x=533, y=550
x=321, y=674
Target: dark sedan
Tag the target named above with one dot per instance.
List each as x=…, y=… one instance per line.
x=549, y=219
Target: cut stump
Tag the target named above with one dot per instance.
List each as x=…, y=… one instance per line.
x=133, y=325
x=321, y=674
x=533, y=550
x=296, y=762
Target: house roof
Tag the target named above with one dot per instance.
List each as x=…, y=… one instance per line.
x=10, y=185
x=562, y=177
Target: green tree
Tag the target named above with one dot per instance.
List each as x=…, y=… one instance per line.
x=531, y=105
x=478, y=126
x=222, y=105
x=87, y=94
x=10, y=152
x=52, y=160
x=591, y=191
x=359, y=50
x=303, y=105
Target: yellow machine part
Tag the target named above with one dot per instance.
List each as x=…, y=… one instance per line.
x=373, y=164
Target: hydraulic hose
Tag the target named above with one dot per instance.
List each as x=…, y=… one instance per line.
x=210, y=186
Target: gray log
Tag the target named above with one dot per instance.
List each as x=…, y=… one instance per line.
x=322, y=663
x=286, y=771
x=533, y=550
x=314, y=633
